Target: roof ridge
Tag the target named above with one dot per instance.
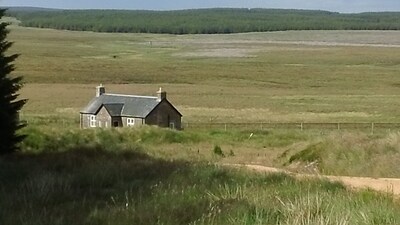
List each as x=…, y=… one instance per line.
x=114, y=103
x=136, y=96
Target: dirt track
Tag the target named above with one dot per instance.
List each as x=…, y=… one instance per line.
x=390, y=185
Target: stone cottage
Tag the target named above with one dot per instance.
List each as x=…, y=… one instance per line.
x=117, y=110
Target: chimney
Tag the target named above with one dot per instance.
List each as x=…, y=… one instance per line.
x=100, y=90
x=161, y=95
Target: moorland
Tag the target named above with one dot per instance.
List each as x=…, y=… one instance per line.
x=292, y=76
x=148, y=175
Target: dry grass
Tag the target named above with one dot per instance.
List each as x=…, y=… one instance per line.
x=295, y=76
x=345, y=153
x=209, y=103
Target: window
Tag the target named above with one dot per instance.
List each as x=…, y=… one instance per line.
x=92, y=121
x=130, y=122
x=172, y=125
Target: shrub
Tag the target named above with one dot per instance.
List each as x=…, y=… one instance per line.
x=218, y=151
x=310, y=154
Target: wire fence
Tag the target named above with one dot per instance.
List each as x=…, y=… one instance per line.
x=366, y=127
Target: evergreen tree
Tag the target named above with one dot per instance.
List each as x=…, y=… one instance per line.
x=9, y=105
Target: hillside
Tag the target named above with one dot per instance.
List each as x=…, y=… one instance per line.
x=203, y=21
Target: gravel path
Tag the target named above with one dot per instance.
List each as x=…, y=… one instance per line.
x=391, y=185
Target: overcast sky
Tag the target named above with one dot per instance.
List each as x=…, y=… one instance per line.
x=331, y=5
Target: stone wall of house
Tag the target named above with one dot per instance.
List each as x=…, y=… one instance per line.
x=164, y=115
x=138, y=121
x=103, y=119
x=84, y=118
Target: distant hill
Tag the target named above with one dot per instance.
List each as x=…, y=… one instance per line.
x=203, y=21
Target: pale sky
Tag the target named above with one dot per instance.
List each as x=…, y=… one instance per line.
x=330, y=5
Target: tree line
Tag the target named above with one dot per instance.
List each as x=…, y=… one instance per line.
x=204, y=21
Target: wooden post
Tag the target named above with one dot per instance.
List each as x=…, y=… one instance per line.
x=301, y=126
x=338, y=126
x=225, y=126
x=372, y=128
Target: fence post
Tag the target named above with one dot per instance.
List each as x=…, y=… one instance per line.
x=225, y=126
x=301, y=126
x=338, y=126
x=372, y=128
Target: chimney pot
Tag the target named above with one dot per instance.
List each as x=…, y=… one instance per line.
x=100, y=90
x=161, y=95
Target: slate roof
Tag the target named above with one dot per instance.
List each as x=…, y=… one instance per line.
x=122, y=105
x=114, y=109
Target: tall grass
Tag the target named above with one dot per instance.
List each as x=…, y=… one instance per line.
x=335, y=153
x=55, y=139
x=97, y=186
x=264, y=138
x=106, y=177
x=355, y=154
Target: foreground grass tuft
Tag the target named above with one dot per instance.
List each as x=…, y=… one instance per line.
x=354, y=154
x=93, y=185
x=54, y=140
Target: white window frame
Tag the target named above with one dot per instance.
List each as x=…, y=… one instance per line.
x=92, y=120
x=130, y=122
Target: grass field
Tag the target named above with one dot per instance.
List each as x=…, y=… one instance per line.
x=333, y=153
x=100, y=187
x=149, y=175
x=294, y=76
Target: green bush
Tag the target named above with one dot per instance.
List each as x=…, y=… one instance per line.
x=218, y=151
x=310, y=154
